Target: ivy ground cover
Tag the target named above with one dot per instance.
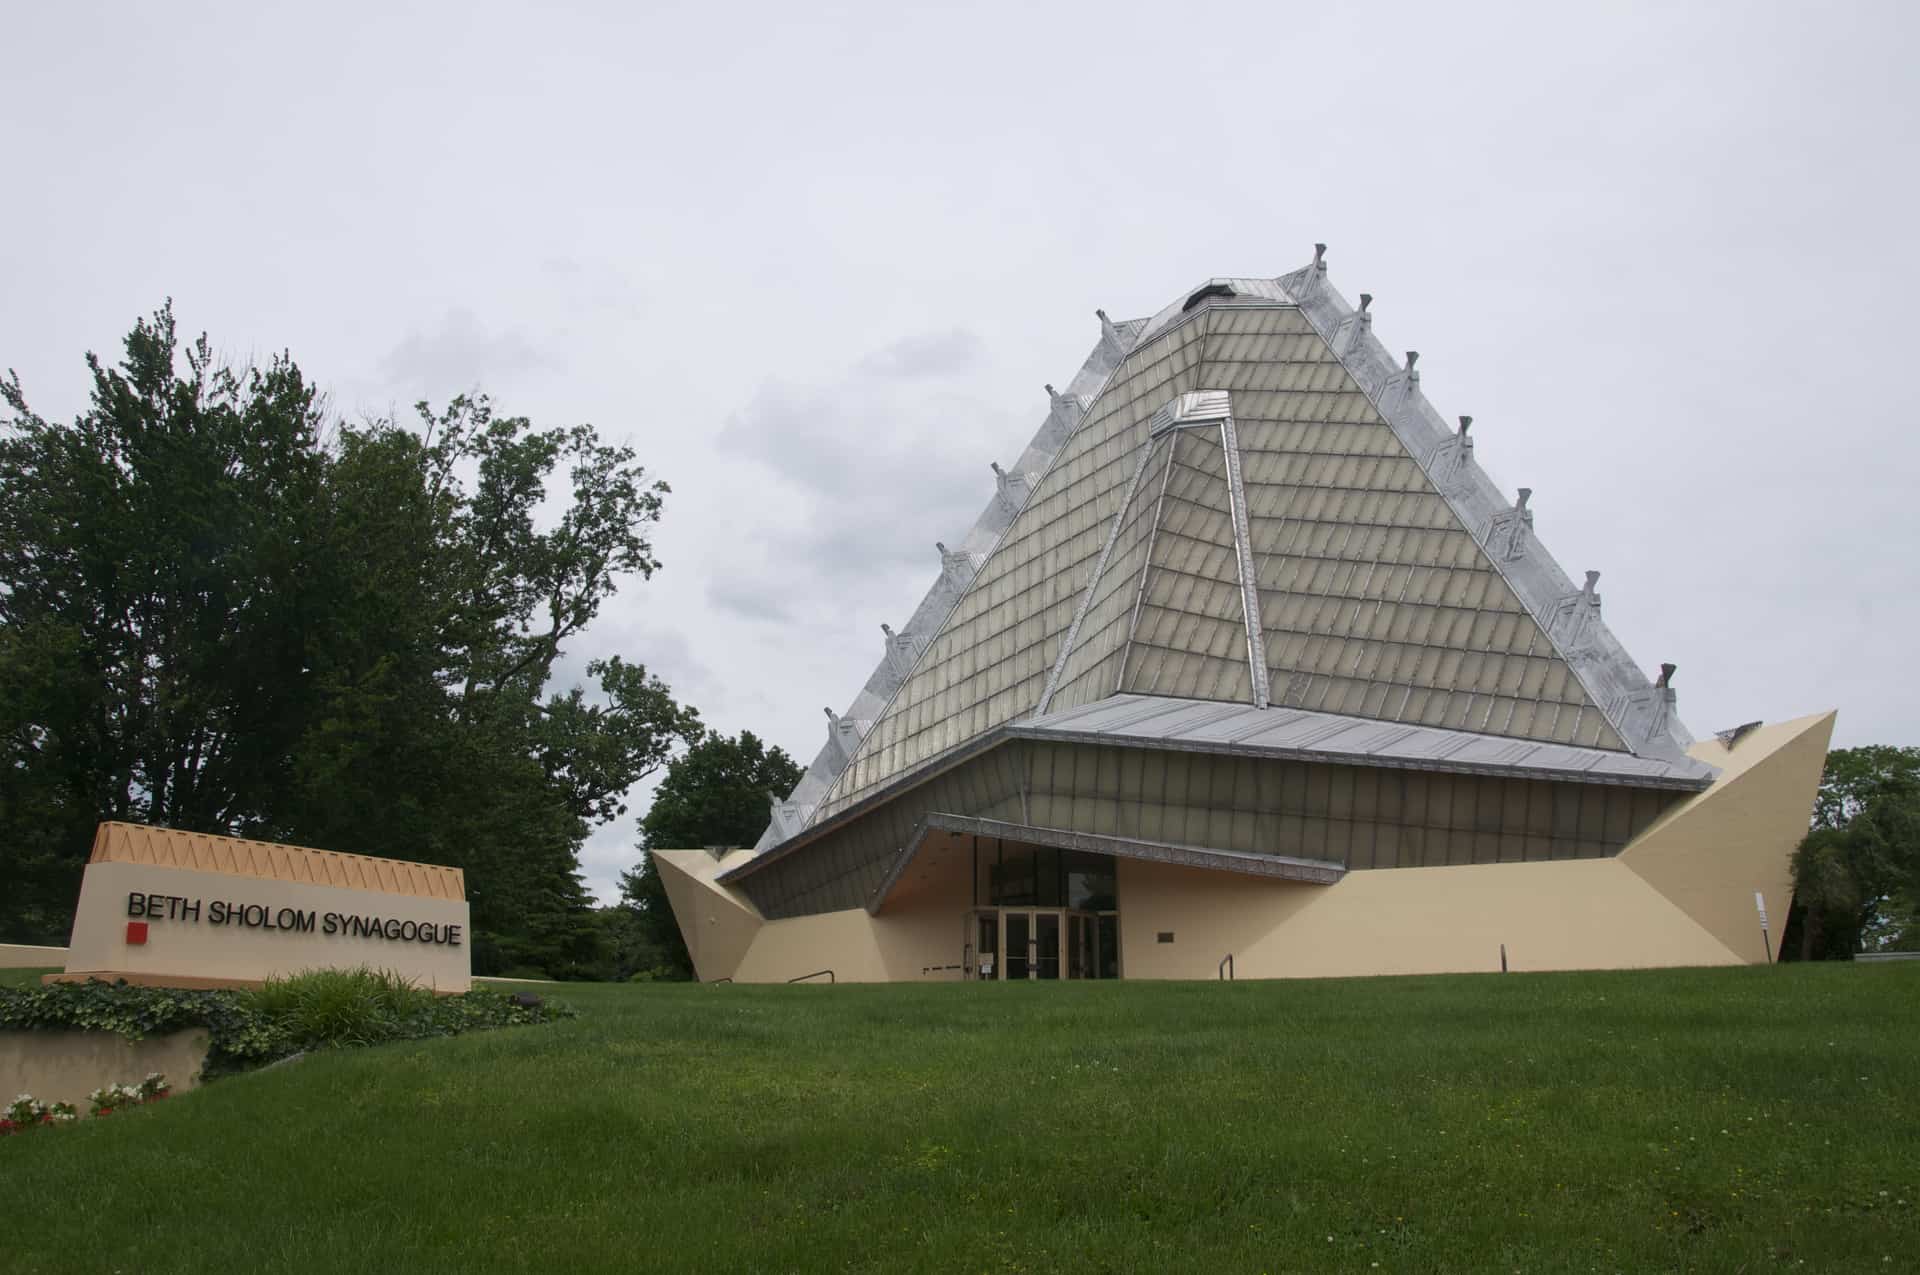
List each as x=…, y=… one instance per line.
x=1722, y=1120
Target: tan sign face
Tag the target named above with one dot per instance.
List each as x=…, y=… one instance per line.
x=150, y=921
x=142, y=908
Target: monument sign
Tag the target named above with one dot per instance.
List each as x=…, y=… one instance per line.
x=183, y=909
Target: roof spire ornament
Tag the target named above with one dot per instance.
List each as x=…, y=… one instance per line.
x=1666, y=676
x=1466, y=422
x=1508, y=533
x=1320, y=257
x=1366, y=299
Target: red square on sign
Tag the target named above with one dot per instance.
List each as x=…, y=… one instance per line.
x=136, y=932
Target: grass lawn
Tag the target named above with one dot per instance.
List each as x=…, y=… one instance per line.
x=1725, y=1120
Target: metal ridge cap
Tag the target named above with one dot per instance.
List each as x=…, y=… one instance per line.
x=1072, y=839
x=1285, y=752
x=1378, y=374
x=980, y=567
x=886, y=792
x=1180, y=318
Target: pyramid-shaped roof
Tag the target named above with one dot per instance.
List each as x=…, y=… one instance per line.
x=1246, y=500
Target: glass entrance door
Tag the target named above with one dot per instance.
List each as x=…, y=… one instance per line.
x=1038, y=943
x=1046, y=945
x=1018, y=962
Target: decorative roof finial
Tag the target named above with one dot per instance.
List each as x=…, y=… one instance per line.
x=1366, y=299
x=1465, y=423
x=886, y=629
x=1593, y=579
x=1666, y=676
x=1520, y=505
x=1319, y=256
x=941, y=546
x=831, y=716
x=1413, y=356
x=1051, y=393
x=997, y=471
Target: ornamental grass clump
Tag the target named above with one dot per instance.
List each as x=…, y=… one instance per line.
x=342, y=1007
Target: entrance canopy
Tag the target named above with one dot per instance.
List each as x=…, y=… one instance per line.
x=1311, y=871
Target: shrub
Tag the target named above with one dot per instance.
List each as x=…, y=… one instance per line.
x=240, y=1037
x=341, y=1007
x=319, y=1009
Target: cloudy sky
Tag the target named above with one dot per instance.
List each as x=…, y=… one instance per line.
x=816, y=262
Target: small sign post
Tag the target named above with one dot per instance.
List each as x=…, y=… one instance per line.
x=1766, y=939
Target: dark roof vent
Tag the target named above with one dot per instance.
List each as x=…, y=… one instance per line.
x=1211, y=290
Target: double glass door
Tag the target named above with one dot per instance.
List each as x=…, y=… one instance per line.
x=1041, y=943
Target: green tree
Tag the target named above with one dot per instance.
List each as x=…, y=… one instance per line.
x=715, y=794
x=1856, y=876
x=221, y=611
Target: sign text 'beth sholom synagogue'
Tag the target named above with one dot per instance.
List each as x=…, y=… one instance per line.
x=258, y=916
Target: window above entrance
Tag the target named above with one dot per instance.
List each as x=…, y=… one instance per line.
x=1044, y=876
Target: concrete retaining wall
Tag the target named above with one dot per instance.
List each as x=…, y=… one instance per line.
x=65, y=1066
x=19, y=956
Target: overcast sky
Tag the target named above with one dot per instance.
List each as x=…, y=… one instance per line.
x=816, y=262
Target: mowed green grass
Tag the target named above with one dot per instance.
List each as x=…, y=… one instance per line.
x=1727, y=1120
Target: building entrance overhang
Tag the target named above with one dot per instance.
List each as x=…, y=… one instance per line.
x=1282, y=867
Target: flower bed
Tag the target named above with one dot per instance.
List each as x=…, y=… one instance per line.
x=26, y=1112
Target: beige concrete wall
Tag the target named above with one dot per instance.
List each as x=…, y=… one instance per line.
x=67, y=1066
x=717, y=923
x=1577, y=914
x=201, y=949
x=900, y=947
x=1712, y=853
x=923, y=926
x=21, y=956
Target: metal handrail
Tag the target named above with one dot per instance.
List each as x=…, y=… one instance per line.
x=1226, y=968
x=816, y=974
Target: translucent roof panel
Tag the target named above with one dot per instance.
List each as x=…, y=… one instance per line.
x=1190, y=638
x=1091, y=671
x=1375, y=600
x=990, y=661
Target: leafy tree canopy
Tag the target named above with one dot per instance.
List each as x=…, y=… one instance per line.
x=715, y=794
x=221, y=610
x=1856, y=877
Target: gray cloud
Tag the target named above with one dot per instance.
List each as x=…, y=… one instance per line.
x=458, y=355
x=746, y=599
x=926, y=355
x=885, y=467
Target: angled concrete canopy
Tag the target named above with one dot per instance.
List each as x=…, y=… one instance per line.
x=1248, y=595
